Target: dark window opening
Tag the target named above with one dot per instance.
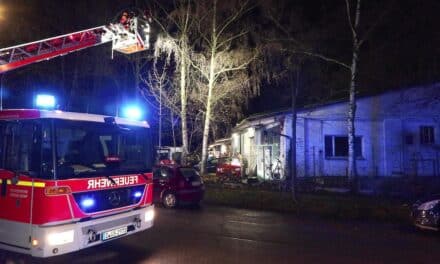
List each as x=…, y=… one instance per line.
x=337, y=146
x=409, y=140
x=427, y=135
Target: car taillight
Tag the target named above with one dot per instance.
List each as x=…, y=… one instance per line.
x=57, y=190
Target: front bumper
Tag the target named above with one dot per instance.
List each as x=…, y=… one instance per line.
x=89, y=233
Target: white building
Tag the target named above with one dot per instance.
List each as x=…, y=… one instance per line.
x=397, y=134
x=220, y=148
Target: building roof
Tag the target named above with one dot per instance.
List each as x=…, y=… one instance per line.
x=285, y=111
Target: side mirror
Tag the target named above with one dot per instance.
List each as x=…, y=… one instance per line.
x=14, y=179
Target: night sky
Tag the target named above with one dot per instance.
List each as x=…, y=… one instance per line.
x=403, y=50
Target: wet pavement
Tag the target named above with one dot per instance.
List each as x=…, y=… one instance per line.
x=225, y=235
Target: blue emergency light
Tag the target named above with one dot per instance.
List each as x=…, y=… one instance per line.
x=45, y=101
x=132, y=112
x=87, y=203
x=137, y=194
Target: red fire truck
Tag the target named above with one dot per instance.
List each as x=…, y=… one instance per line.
x=69, y=181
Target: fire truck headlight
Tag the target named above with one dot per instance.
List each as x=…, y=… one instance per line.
x=149, y=216
x=61, y=238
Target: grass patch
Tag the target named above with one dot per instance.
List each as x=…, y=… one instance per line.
x=328, y=205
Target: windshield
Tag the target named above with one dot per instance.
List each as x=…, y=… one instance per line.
x=88, y=148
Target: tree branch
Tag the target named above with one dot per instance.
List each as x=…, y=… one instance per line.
x=232, y=38
x=234, y=17
x=353, y=31
x=376, y=22
x=325, y=58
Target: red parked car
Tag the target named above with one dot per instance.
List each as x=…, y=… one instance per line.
x=229, y=170
x=175, y=184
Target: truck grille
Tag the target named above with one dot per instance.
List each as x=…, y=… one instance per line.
x=96, y=201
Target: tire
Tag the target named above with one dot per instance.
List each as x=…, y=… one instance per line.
x=169, y=200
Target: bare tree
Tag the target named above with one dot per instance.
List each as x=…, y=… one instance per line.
x=177, y=45
x=299, y=47
x=354, y=26
x=221, y=67
x=160, y=93
x=283, y=64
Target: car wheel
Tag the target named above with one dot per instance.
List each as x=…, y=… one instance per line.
x=169, y=200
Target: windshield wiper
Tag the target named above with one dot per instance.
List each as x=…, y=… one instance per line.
x=110, y=179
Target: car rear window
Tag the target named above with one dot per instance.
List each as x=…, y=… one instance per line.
x=188, y=172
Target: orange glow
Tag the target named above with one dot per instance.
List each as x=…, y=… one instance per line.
x=57, y=190
x=2, y=13
x=131, y=49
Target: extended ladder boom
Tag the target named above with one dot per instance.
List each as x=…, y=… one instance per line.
x=128, y=38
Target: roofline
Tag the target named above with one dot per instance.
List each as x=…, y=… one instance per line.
x=304, y=108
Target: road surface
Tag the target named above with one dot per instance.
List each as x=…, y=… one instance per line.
x=226, y=235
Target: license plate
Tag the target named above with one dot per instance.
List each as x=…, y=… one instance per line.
x=114, y=233
x=196, y=183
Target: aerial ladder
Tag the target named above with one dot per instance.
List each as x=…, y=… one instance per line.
x=129, y=35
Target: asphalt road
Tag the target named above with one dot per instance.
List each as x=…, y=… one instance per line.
x=226, y=235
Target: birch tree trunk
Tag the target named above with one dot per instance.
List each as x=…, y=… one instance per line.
x=206, y=131
x=183, y=101
x=352, y=172
x=184, y=61
x=210, y=88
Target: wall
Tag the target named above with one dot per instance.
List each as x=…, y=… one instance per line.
x=383, y=122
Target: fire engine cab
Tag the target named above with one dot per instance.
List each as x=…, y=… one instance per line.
x=69, y=181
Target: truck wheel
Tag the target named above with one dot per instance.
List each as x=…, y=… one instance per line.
x=169, y=200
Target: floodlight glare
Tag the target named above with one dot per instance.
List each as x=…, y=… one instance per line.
x=45, y=101
x=132, y=112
